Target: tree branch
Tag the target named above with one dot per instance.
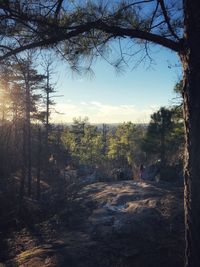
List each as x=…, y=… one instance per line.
x=58, y=8
x=50, y=41
x=133, y=4
x=139, y=34
x=153, y=16
x=99, y=25
x=167, y=19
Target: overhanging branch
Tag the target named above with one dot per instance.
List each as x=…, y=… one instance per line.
x=49, y=41
x=139, y=34
x=115, y=31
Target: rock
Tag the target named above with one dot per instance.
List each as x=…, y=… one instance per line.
x=121, y=223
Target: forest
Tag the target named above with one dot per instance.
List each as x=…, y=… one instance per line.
x=43, y=161
x=32, y=148
x=97, y=195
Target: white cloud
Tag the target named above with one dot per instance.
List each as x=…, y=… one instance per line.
x=99, y=112
x=83, y=103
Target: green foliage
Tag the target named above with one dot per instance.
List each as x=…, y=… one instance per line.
x=177, y=135
x=118, y=147
x=22, y=82
x=122, y=144
x=84, y=141
x=164, y=138
x=178, y=88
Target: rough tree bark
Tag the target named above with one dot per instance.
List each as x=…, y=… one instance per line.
x=190, y=57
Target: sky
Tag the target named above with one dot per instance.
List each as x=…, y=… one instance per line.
x=111, y=97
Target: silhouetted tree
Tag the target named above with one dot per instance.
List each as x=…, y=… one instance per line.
x=27, y=78
x=48, y=90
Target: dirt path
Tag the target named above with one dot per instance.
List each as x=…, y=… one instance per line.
x=116, y=224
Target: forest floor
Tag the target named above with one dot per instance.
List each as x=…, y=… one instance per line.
x=103, y=224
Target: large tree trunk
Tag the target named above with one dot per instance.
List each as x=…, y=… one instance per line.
x=191, y=92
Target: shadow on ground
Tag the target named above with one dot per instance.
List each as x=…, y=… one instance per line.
x=115, y=224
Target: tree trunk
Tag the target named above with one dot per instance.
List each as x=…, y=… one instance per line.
x=39, y=163
x=23, y=168
x=29, y=159
x=28, y=125
x=192, y=172
x=47, y=127
x=190, y=58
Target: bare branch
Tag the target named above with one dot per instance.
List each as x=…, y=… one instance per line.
x=154, y=14
x=58, y=8
x=167, y=19
x=133, y=4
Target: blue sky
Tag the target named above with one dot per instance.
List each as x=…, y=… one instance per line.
x=111, y=97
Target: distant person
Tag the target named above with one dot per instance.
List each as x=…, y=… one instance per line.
x=142, y=172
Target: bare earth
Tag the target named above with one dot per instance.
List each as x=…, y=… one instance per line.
x=106, y=224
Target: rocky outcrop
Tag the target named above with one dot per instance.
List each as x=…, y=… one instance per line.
x=112, y=224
